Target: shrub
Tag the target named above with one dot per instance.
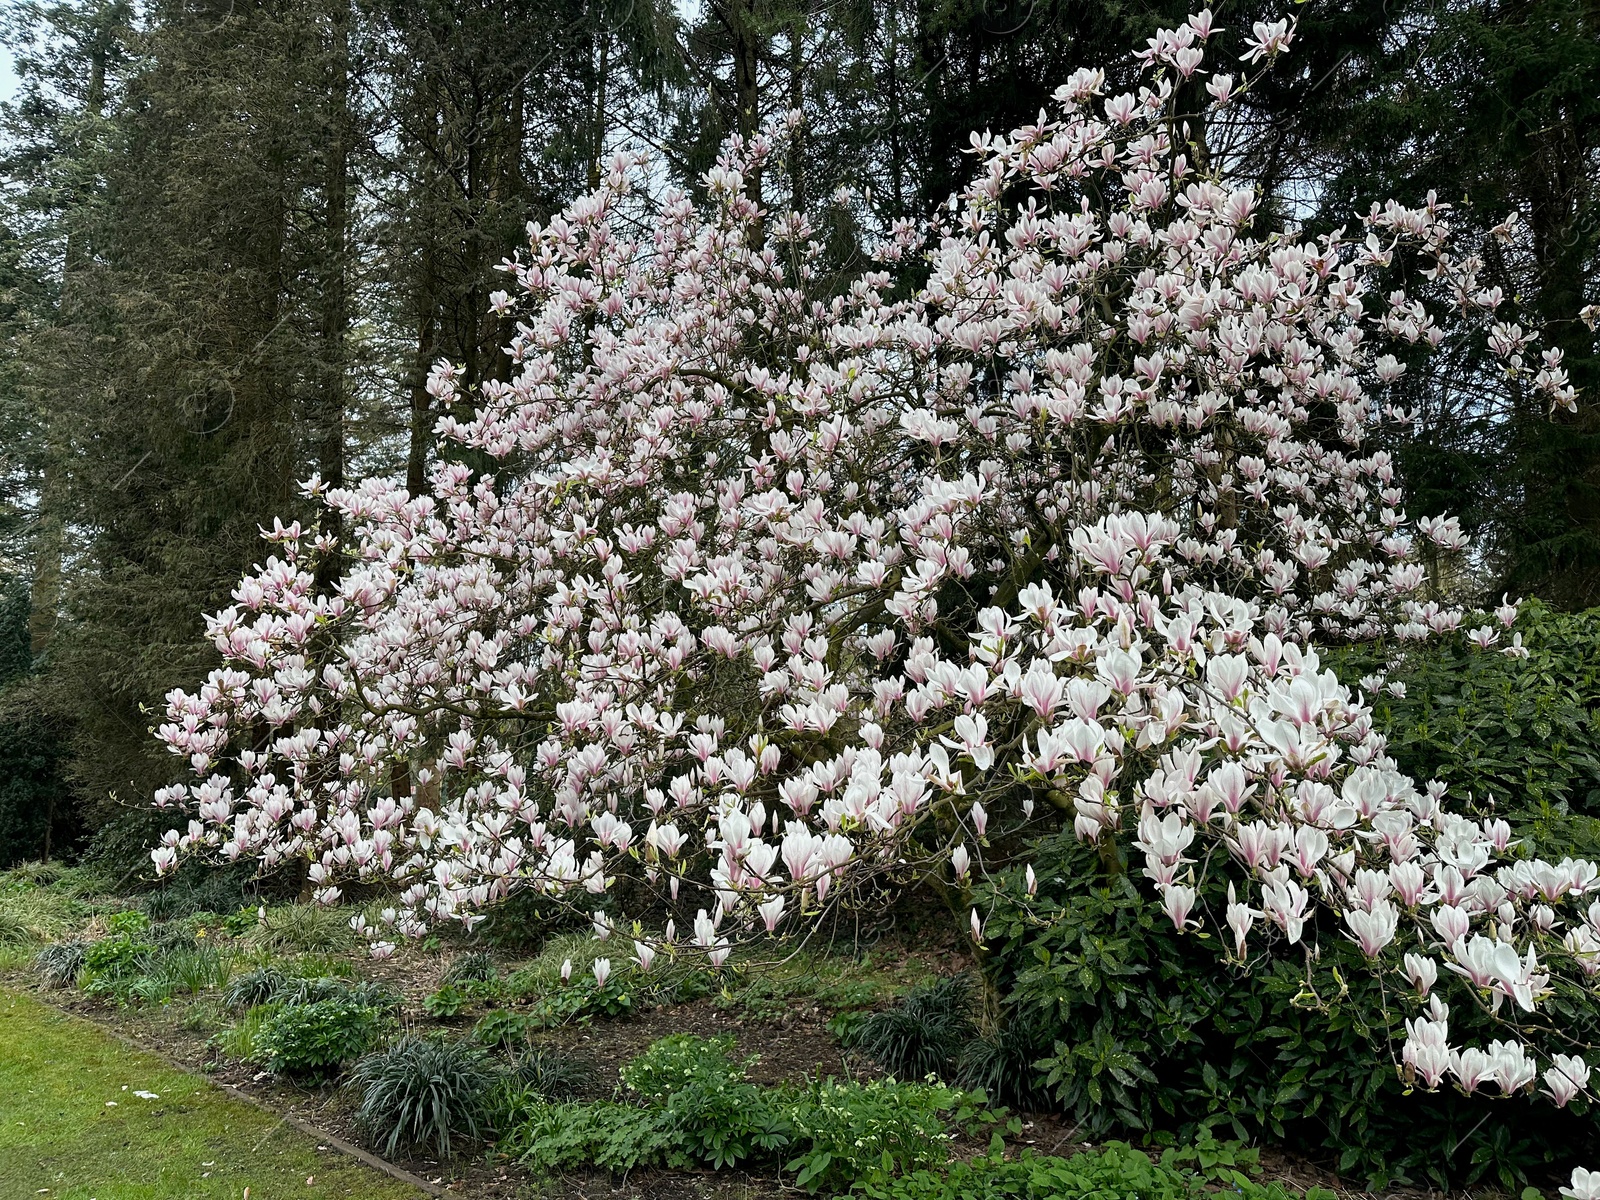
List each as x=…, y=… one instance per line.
x=1522, y=731
x=448, y=1001
x=60, y=962
x=695, y=1107
x=420, y=1093
x=111, y=965
x=717, y=1116
x=845, y=1133
x=318, y=1037
x=923, y=1034
x=127, y=922
x=1145, y=1029
x=305, y=929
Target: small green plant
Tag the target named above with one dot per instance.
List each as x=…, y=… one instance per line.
x=305, y=929
x=719, y=1117
x=242, y=1039
x=551, y=1074
x=240, y=923
x=420, y=1093
x=319, y=1037
x=473, y=966
x=254, y=987
x=504, y=1027
x=923, y=1034
x=127, y=923
x=113, y=964
x=448, y=1001
x=59, y=963
x=849, y=1132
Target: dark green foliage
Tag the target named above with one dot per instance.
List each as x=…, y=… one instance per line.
x=702, y=1095
x=254, y=987
x=1147, y=1030
x=923, y=1034
x=551, y=1074
x=473, y=966
x=1115, y=1171
x=692, y=1106
x=112, y=964
x=448, y=1001
x=319, y=1037
x=60, y=962
x=999, y=1063
x=1523, y=732
x=424, y=1093
x=369, y=993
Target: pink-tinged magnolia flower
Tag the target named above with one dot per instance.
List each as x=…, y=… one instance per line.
x=602, y=970
x=566, y=970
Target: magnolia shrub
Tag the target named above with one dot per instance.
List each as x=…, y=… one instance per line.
x=760, y=587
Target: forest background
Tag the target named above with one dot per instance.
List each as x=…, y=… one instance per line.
x=235, y=235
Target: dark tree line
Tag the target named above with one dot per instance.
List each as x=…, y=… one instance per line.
x=236, y=233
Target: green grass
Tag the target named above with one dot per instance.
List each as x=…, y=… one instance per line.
x=71, y=1126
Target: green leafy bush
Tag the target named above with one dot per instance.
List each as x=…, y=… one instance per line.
x=319, y=1037
x=112, y=964
x=844, y=1133
x=423, y=1093
x=1142, y=1029
x=693, y=1106
x=1115, y=1171
x=127, y=923
x=716, y=1115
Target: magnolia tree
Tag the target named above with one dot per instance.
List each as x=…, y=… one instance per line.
x=761, y=585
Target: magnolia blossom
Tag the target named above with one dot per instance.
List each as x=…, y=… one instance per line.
x=764, y=588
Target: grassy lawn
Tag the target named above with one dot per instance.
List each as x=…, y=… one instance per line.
x=72, y=1126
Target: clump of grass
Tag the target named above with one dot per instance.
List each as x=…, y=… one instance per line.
x=242, y=1039
x=305, y=929
x=922, y=1035
x=425, y=1093
x=33, y=916
x=473, y=966
x=255, y=987
x=550, y=1073
x=58, y=964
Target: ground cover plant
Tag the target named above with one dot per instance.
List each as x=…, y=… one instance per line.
x=687, y=1103
x=83, y=1115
